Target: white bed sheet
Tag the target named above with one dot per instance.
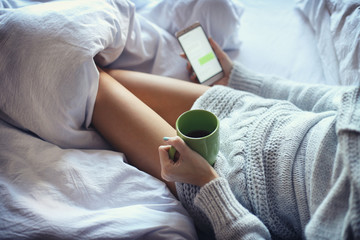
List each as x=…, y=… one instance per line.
x=277, y=39
x=303, y=40
x=81, y=194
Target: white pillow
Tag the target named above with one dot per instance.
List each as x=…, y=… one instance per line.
x=48, y=76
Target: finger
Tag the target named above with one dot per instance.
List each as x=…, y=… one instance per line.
x=99, y=68
x=166, y=164
x=183, y=55
x=213, y=43
x=178, y=144
x=217, y=49
x=163, y=156
x=188, y=67
x=164, y=153
x=193, y=77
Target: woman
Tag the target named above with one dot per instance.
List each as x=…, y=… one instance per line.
x=288, y=165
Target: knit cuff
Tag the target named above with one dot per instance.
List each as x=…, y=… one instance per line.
x=187, y=193
x=242, y=78
x=217, y=201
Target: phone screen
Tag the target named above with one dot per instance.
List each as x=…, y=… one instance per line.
x=200, y=55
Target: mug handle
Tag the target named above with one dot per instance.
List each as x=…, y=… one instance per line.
x=172, y=152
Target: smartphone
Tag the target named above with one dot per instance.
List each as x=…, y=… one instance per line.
x=200, y=54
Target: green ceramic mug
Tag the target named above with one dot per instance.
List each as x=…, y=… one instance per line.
x=200, y=131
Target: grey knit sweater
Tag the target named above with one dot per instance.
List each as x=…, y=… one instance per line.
x=289, y=161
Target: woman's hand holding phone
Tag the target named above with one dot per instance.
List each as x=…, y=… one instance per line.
x=224, y=60
x=200, y=54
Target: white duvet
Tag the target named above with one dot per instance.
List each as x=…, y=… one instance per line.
x=58, y=177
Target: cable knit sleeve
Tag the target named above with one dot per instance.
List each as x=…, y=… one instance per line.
x=308, y=97
x=229, y=218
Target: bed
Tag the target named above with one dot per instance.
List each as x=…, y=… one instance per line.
x=59, y=178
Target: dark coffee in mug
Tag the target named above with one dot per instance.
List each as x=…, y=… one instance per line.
x=198, y=133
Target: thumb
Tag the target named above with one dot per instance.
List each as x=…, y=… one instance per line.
x=217, y=49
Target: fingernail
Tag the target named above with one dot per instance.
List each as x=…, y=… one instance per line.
x=166, y=138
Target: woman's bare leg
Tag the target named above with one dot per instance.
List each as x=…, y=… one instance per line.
x=130, y=125
x=166, y=96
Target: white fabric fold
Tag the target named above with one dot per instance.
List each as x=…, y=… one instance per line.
x=337, y=29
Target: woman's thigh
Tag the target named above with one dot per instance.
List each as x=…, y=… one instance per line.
x=168, y=97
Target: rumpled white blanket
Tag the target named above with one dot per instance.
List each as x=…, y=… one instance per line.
x=58, y=178
x=337, y=29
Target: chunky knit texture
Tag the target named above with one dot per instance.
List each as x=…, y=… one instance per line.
x=289, y=156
